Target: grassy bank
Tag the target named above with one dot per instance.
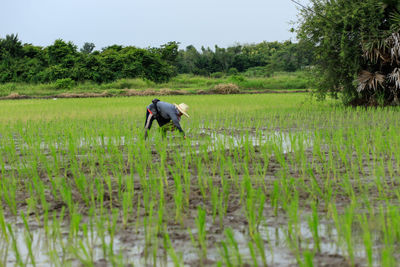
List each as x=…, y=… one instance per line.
x=184, y=84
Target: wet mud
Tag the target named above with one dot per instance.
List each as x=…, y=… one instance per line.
x=131, y=239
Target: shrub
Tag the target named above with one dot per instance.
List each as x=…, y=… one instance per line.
x=258, y=72
x=66, y=83
x=121, y=84
x=7, y=89
x=233, y=71
x=217, y=75
x=237, y=78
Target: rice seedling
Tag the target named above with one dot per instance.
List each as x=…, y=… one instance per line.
x=18, y=258
x=80, y=171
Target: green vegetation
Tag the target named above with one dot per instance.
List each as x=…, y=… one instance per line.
x=62, y=62
x=357, y=49
x=270, y=56
x=252, y=80
x=267, y=179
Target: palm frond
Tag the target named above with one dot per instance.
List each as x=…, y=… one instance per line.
x=375, y=50
x=393, y=42
x=394, y=77
x=369, y=80
x=395, y=20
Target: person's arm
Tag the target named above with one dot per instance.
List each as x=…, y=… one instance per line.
x=148, y=123
x=175, y=121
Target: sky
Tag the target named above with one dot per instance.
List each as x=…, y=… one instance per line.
x=149, y=23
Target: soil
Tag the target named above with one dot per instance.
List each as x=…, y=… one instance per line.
x=275, y=224
x=147, y=92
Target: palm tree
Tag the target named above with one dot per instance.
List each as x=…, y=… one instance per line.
x=381, y=78
x=383, y=75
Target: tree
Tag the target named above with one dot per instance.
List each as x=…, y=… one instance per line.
x=353, y=43
x=224, y=58
x=169, y=52
x=11, y=46
x=61, y=53
x=10, y=54
x=87, y=48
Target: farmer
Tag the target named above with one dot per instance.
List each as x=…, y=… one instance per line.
x=167, y=115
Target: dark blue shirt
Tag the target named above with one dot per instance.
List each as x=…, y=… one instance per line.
x=166, y=112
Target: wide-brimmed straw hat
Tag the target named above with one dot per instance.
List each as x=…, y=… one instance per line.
x=183, y=108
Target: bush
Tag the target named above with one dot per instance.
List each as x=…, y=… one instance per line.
x=66, y=83
x=121, y=84
x=258, y=72
x=217, y=75
x=237, y=78
x=233, y=71
x=7, y=89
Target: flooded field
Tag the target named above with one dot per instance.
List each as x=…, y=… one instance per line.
x=268, y=180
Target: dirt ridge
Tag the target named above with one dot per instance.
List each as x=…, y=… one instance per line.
x=148, y=92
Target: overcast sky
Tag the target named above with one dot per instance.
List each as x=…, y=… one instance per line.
x=145, y=23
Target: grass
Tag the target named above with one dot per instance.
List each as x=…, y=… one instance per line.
x=182, y=83
x=259, y=178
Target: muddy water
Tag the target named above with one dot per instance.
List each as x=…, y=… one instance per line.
x=131, y=243
x=277, y=248
x=285, y=141
x=45, y=248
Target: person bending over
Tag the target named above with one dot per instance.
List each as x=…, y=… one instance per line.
x=167, y=115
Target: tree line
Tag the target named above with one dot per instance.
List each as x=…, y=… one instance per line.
x=63, y=60
x=274, y=56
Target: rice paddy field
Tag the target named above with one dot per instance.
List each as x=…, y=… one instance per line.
x=260, y=180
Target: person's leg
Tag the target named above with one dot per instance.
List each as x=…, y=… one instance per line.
x=161, y=122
